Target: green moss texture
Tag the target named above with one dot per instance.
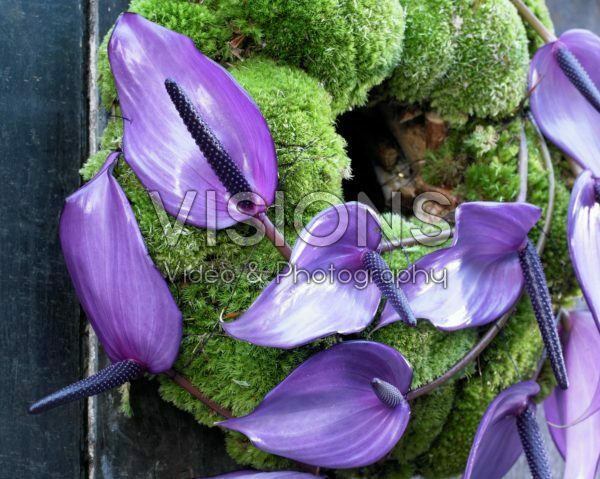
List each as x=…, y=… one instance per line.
x=304, y=63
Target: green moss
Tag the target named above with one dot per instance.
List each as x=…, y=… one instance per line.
x=488, y=75
x=428, y=49
x=350, y=46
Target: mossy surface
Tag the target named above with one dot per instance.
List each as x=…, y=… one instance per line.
x=303, y=63
x=429, y=45
x=488, y=75
x=350, y=46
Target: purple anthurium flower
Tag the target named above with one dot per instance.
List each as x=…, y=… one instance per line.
x=342, y=408
x=490, y=260
x=508, y=427
x=584, y=238
x=574, y=415
x=266, y=475
x=564, y=79
x=124, y=296
x=327, y=288
x=189, y=127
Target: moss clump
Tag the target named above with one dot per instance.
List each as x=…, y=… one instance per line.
x=488, y=75
x=349, y=45
x=428, y=49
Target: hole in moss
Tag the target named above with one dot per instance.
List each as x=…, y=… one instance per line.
x=386, y=143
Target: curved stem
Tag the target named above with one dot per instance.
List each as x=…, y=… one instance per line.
x=499, y=324
x=423, y=239
x=534, y=21
x=264, y=223
x=194, y=391
x=523, y=163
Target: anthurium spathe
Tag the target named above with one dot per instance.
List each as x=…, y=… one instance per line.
x=328, y=288
x=564, y=77
x=508, y=428
x=484, y=277
x=121, y=291
x=189, y=128
x=489, y=262
x=584, y=238
x=574, y=415
x=342, y=408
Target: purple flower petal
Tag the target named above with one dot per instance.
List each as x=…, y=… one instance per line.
x=483, y=275
x=299, y=306
x=326, y=413
x=266, y=475
x=578, y=406
x=584, y=239
x=497, y=444
x=564, y=115
x=124, y=296
x=157, y=143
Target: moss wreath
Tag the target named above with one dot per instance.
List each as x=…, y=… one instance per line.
x=449, y=78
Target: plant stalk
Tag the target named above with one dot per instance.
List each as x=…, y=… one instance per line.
x=534, y=21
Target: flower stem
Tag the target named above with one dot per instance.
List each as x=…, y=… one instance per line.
x=264, y=223
x=533, y=444
x=534, y=21
x=423, y=239
x=194, y=391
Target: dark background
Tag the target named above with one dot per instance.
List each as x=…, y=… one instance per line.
x=45, y=117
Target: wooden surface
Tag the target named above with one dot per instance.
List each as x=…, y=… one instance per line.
x=42, y=143
x=45, y=104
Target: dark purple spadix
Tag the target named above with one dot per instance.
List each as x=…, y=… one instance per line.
x=537, y=289
x=577, y=74
x=533, y=444
x=109, y=378
x=217, y=157
x=387, y=393
x=384, y=279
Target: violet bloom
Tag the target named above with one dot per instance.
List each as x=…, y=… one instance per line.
x=507, y=428
x=189, y=128
x=265, y=475
x=576, y=411
x=489, y=262
x=584, y=238
x=327, y=288
x=564, y=78
x=122, y=293
x=342, y=408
